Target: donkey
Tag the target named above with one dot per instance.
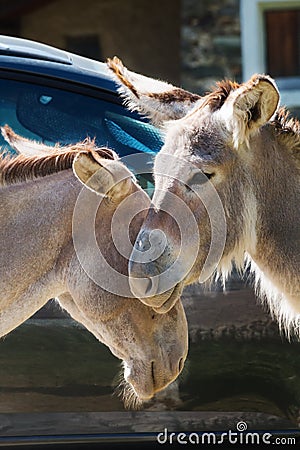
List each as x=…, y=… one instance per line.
x=39, y=192
x=233, y=144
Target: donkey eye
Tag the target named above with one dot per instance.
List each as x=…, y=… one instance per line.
x=199, y=178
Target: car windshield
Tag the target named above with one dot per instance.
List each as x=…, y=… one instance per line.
x=53, y=115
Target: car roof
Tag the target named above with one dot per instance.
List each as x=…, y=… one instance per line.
x=32, y=57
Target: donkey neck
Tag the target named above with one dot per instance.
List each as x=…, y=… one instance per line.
x=36, y=223
x=275, y=180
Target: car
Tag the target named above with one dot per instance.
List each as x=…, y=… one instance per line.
x=55, y=378
x=52, y=96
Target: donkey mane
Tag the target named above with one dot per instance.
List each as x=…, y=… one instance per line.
x=24, y=168
x=217, y=96
x=288, y=129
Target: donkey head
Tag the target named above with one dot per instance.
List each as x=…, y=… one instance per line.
x=204, y=181
x=153, y=347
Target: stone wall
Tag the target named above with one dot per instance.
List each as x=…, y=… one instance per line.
x=210, y=43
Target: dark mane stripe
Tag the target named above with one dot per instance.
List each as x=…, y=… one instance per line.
x=288, y=131
x=284, y=123
x=217, y=97
x=22, y=168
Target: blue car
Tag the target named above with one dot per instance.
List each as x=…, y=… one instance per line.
x=49, y=95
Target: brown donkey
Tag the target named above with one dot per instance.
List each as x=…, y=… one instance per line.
x=39, y=259
x=232, y=144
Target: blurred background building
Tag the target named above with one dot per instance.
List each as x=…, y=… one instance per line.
x=188, y=42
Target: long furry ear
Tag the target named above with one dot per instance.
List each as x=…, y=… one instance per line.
x=106, y=177
x=157, y=100
x=249, y=107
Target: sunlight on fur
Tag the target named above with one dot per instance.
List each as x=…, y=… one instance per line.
x=126, y=392
x=278, y=306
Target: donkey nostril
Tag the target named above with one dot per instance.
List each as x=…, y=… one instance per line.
x=144, y=287
x=149, y=287
x=141, y=286
x=180, y=365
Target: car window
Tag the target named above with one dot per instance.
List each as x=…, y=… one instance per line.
x=55, y=115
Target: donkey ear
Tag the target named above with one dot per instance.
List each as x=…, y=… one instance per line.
x=105, y=177
x=24, y=146
x=157, y=100
x=250, y=106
